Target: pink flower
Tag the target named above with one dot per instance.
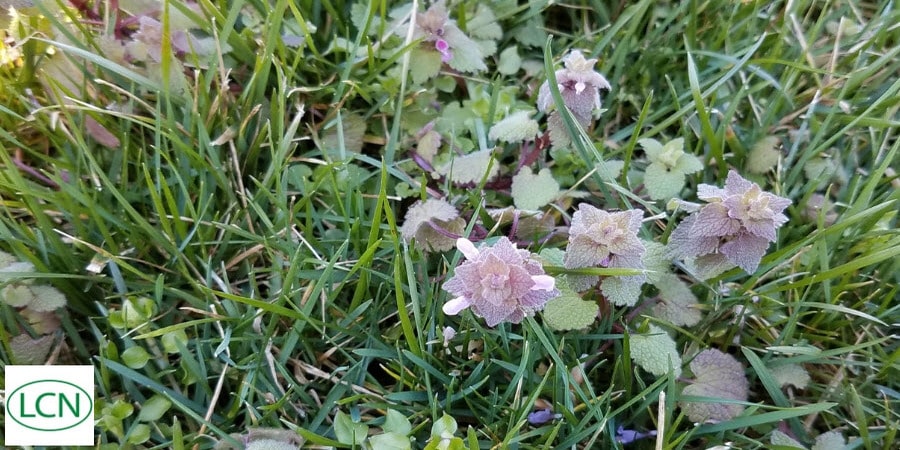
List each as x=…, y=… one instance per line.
x=501, y=283
x=579, y=85
x=734, y=228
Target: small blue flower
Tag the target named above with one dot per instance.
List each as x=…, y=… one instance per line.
x=542, y=416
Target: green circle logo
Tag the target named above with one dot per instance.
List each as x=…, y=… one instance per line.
x=49, y=405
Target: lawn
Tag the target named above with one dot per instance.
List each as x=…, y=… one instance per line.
x=457, y=225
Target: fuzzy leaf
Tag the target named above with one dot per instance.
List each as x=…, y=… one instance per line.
x=716, y=375
x=782, y=439
x=17, y=295
x=484, y=24
x=662, y=183
x=532, y=33
x=42, y=322
x=6, y=259
x=622, y=291
x=353, y=129
x=46, y=298
x=516, y=127
x=832, y=440
x=426, y=64
x=439, y=212
x=269, y=444
x=609, y=170
x=471, y=168
x=678, y=304
x=655, y=261
x=27, y=351
x=467, y=55
x=428, y=145
x=510, y=61
x=764, y=155
x=570, y=312
x=530, y=191
x=790, y=374
x=654, y=350
x=349, y=432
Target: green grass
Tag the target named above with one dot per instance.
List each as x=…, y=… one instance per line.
x=273, y=287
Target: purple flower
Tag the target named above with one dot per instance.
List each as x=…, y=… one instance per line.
x=542, y=416
x=734, y=228
x=579, y=85
x=605, y=239
x=500, y=283
x=626, y=436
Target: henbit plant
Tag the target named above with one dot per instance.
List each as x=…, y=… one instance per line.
x=221, y=214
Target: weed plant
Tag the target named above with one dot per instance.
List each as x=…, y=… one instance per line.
x=251, y=209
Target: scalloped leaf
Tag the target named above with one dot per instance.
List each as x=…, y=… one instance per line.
x=716, y=375
x=764, y=155
x=832, y=440
x=678, y=304
x=426, y=64
x=510, y=61
x=516, y=127
x=780, y=438
x=6, y=259
x=662, y=183
x=790, y=374
x=622, y=291
x=610, y=170
x=570, y=312
x=471, y=168
x=654, y=350
x=428, y=145
x=27, y=351
x=655, y=260
x=16, y=295
x=531, y=191
x=46, y=298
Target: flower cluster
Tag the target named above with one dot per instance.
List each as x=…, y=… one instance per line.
x=501, y=283
x=579, y=86
x=442, y=35
x=733, y=229
x=598, y=238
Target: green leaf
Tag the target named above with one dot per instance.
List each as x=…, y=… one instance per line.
x=510, y=61
x=269, y=444
x=621, y=291
x=764, y=155
x=395, y=422
x=610, y=170
x=678, y=305
x=516, y=127
x=790, y=374
x=139, y=434
x=171, y=340
x=426, y=64
x=654, y=351
x=484, y=24
x=663, y=183
x=428, y=145
x=349, y=432
x=444, y=428
x=135, y=357
x=46, y=298
x=531, y=192
x=390, y=441
x=832, y=440
x=471, y=168
x=17, y=295
x=782, y=439
x=570, y=312
x=154, y=408
x=655, y=261
x=353, y=128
